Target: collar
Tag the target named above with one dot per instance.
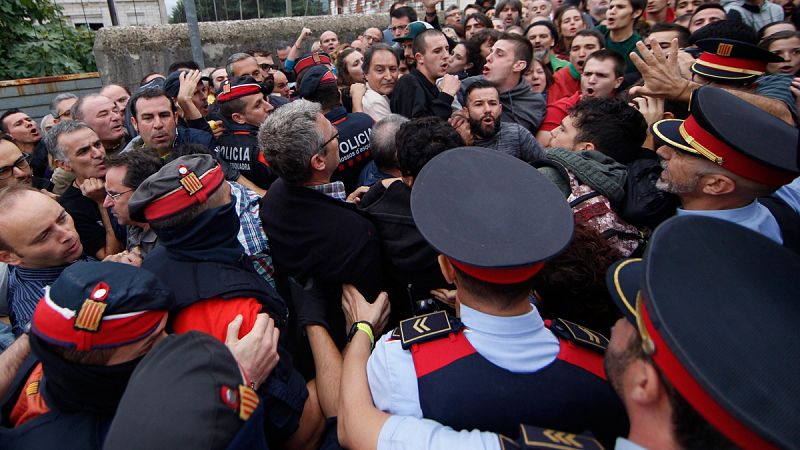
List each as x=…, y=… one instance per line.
x=733, y=215
x=40, y=274
x=334, y=190
x=574, y=72
x=624, y=444
x=336, y=115
x=505, y=327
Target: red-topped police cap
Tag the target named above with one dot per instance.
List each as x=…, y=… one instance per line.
x=495, y=217
x=313, y=79
x=729, y=60
x=736, y=135
x=311, y=60
x=179, y=185
x=240, y=87
x=95, y=305
x=188, y=393
x=716, y=306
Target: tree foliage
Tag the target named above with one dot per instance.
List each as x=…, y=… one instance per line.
x=37, y=42
x=230, y=9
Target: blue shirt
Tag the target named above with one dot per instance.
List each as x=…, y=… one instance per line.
x=754, y=216
x=519, y=344
x=251, y=234
x=791, y=194
x=25, y=289
x=411, y=433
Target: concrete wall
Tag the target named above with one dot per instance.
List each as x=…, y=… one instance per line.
x=33, y=95
x=126, y=54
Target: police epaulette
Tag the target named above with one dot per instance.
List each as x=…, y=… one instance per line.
x=428, y=327
x=580, y=335
x=544, y=438
x=395, y=336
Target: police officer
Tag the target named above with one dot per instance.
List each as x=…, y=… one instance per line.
x=724, y=156
x=243, y=104
x=703, y=358
x=88, y=333
x=730, y=62
x=189, y=206
x=318, y=84
x=500, y=364
x=188, y=393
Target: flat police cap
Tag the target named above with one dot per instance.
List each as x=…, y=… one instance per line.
x=716, y=306
x=730, y=60
x=736, y=135
x=311, y=60
x=187, y=393
x=495, y=217
x=179, y=185
x=314, y=78
x=240, y=87
x=97, y=305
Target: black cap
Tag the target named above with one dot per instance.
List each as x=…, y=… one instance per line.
x=99, y=305
x=173, y=83
x=187, y=393
x=717, y=311
x=738, y=136
x=496, y=217
x=313, y=78
x=726, y=60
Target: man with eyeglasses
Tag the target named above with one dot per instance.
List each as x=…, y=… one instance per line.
x=61, y=106
x=22, y=130
x=124, y=173
x=371, y=37
x=15, y=168
x=316, y=236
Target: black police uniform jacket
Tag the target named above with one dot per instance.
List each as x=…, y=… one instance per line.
x=239, y=147
x=354, y=145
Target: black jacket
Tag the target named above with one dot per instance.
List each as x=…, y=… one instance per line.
x=414, y=96
x=407, y=256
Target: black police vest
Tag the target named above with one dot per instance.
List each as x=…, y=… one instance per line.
x=52, y=429
x=193, y=281
x=240, y=150
x=460, y=388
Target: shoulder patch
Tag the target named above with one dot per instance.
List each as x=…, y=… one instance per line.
x=580, y=335
x=426, y=328
x=395, y=335
x=544, y=438
x=507, y=444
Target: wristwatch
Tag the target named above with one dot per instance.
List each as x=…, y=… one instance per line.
x=364, y=326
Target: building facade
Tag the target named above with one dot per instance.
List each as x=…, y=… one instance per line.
x=95, y=13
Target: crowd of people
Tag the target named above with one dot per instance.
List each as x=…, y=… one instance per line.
x=420, y=239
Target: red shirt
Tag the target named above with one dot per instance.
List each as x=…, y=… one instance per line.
x=565, y=83
x=213, y=315
x=557, y=111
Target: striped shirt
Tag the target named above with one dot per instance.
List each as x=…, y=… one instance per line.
x=25, y=288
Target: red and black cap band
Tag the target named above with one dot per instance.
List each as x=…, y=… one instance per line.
x=185, y=195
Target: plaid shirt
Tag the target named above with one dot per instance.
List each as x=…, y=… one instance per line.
x=333, y=190
x=251, y=233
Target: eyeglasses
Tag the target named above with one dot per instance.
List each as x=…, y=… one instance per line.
x=397, y=28
x=335, y=136
x=374, y=38
x=115, y=196
x=22, y=163
x=266, y=66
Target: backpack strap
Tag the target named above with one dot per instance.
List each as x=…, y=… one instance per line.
x=787, y=218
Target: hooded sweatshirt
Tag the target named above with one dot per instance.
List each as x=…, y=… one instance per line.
x=520, y=104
